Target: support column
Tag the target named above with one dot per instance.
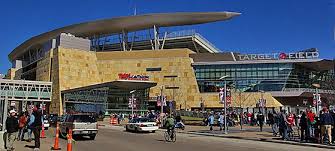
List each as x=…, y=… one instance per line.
x=156, y=37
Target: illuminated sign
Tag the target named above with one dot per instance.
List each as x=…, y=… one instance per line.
x=128, y=76
x=280, y=56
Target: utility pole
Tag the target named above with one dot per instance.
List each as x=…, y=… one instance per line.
x=162, y=105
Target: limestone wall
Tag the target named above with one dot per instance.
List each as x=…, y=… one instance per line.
x=172, y=63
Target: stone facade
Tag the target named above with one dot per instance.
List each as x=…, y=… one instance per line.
x=72, y=68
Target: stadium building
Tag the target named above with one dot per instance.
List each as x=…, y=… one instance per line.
x=96, y=66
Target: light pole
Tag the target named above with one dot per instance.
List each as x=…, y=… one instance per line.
x=263, y=104
x=225, y=103
x=132, y=102
x=317, y=97
x=162, y=107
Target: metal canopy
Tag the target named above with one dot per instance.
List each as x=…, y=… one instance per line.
x=122, y=24
x=122, y=84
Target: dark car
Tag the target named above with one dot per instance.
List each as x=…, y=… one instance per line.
x=53, y=118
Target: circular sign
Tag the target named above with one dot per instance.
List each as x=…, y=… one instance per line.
x=282, y=56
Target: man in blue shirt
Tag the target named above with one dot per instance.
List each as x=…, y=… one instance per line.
x=30, y=127
x=211, y=121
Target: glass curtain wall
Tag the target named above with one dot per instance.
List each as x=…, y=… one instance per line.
x=254, y=77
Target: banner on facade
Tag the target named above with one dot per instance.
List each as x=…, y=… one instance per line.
x=159, y=102
x=261, y=103
x=132, y=103
x=222, y=96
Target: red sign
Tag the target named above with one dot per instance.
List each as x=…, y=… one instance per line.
x=128, y=76
x=228, y=96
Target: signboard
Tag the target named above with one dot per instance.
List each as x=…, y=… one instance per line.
x=132, y=103
x=261, y=103
x=316, y=99
x=228, y=97
x=311, y=54
x=159, y=102
x=128, y=76
x=222, y=97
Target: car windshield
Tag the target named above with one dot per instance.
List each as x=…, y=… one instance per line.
x=84, y=118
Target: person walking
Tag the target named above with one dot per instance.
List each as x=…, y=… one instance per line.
x=283, y=125
x=12, y=127
x=211, y=121
x=333, y=129
x=30, y=122
x=37, y=127
x=326, y=122
x=221, y=121
x=22, y=125
x=260, y=119
x=310, y=124
x=290, y=123
x=303, y=126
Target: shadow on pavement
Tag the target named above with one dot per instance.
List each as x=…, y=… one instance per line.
x=29, y=146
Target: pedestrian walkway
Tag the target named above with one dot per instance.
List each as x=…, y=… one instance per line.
x=247, y=133
x=46, y=143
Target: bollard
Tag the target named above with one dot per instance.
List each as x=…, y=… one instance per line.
x=43, y=132
x=56, y=145
x=69, y=140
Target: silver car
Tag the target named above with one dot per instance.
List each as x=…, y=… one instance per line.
x=81, y=125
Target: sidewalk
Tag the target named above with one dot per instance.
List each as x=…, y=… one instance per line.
x=248, y=133
x=46, y=143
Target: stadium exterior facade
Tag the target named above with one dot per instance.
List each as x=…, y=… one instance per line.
x=97, y=64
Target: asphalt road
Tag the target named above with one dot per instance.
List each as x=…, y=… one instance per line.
x=117, y=139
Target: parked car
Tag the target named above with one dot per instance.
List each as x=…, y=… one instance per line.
x=81, y=125
x=142, y=124
x=53, y=119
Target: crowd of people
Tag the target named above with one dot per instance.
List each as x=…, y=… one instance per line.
x=18, y=124
x=311, y=127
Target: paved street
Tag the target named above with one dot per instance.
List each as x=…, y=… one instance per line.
x=116, y=139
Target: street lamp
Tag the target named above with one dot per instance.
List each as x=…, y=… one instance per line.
x=225, y=103
x=132, y=102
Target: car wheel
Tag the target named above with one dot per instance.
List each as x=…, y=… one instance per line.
x=153, y=131
x=127, y=129
x=136, y=130
x=92, y=137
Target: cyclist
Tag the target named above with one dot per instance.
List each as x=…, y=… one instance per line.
x=169, y=125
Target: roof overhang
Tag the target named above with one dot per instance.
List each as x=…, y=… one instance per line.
x=120, y=24
x=122, y=84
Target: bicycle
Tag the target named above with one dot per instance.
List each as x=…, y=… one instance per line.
x=170, y=136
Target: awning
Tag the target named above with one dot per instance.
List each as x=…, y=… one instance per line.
x=122, y=84
x=244, y=99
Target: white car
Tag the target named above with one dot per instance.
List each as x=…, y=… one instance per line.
x=142, y=125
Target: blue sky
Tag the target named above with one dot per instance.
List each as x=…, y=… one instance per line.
x=264, y=26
